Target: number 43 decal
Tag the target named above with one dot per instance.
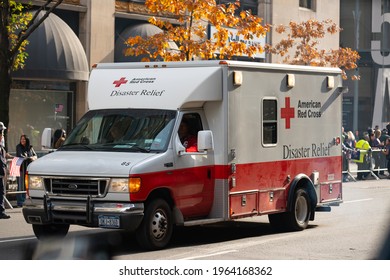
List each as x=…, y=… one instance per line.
x=125, y=163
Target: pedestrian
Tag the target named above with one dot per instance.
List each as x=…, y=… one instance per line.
x=375, y=144
x=26, y=151
x=3, y=172
x=344, y=134
x=346, y=156
x=384, y=135
x=386, y=151
x=362, y=162
x=350, y=142
x=357, y=135
x=59, y=138
x=374, y=138
x=348, y=148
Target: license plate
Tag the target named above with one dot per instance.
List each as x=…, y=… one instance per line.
x=109, y=221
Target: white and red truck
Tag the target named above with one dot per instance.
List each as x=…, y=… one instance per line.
x=268, y=143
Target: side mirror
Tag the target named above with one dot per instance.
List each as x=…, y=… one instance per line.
x=205, y=140
x=46, y=139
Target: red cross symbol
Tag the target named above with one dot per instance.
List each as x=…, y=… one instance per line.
x=288, y=112
x=120, y=82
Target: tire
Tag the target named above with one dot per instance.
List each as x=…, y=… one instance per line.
x=156, y=229
x=44, y=232
x=298, y=218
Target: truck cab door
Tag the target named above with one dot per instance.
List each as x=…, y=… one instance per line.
x=194, y=170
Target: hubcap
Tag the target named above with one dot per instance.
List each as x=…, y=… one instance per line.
x=301, y=210
x=159, y=225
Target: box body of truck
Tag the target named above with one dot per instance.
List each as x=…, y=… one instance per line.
x=268, y=143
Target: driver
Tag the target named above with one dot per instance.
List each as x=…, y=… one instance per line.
x=187, y=138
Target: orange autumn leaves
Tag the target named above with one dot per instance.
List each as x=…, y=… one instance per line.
x=186, y=23
x=190, y=32
x=304, y=38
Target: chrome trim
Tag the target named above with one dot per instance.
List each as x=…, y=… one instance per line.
x=258, y=191
x=63, y=206
x=245, y=192
x=69, y=208
x=330, y=182
x=113, y=207
x=78, y=182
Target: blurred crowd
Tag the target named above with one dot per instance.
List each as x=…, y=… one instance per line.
x=370, y=150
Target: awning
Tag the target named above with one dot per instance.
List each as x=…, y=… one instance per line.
x=54, y=53
x=144, y=30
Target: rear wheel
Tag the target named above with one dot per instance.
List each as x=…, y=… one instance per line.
x=43, y=232
x=298, y=218
x=156, y=228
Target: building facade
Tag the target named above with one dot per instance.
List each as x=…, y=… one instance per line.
x=51, y=90
x=283, y=11
x=366, y=29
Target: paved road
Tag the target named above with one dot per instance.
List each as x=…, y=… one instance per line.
x=353, y=231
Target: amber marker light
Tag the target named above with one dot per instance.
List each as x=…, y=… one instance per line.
x=26, y=183
x=134, y=184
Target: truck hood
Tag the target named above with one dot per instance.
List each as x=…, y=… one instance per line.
x=87, y=164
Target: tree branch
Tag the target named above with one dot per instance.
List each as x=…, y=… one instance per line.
x=32, y=25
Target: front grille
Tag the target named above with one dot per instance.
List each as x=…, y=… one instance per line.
x=76, y=186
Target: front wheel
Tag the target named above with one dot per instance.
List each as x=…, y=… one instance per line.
x=43, y=232
x=156, y=228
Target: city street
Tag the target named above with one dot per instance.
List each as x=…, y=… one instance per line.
x=142, y=115
x=353, y=231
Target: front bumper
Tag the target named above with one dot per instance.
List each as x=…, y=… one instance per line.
x=83, y=212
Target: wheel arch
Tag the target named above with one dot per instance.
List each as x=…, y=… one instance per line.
x=304, y=182
x=163, y=193
x=166, y=194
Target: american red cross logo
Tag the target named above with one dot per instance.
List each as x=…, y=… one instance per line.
x=119, y=82
x=288, y=112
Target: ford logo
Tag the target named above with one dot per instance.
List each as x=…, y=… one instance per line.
x=72, y=186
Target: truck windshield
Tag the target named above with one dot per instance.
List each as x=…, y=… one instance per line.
x=134, y=130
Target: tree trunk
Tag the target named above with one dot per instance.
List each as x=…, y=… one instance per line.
x=5, y=64
x=5, y=88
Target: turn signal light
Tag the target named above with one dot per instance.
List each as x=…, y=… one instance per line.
x=26, y=183
x=134, y=184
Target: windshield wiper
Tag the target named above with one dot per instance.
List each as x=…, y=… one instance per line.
x=127, y=146
x=139, y=149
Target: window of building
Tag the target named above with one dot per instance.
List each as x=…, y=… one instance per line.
x=244, y=5
x=308, y=4
x=33, y=110
x=270, y=121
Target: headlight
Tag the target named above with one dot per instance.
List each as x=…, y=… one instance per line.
x=119, y=185
x=128, y=185
x=35, y=183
